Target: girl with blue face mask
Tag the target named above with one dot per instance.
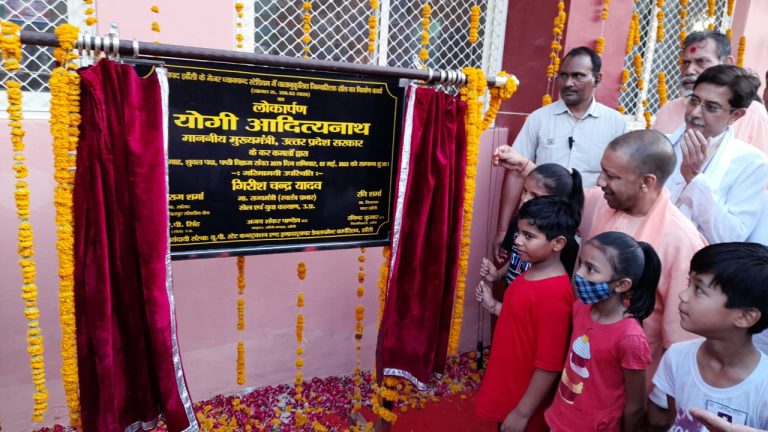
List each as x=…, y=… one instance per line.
x=603, y=384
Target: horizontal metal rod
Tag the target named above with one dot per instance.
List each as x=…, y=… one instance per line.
x=130, y=48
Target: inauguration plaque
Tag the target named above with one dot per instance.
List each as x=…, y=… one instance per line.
x=265, y=160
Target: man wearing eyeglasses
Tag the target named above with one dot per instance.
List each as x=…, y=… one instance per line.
x=702, y=50
x=572, y=131
x=720, y=181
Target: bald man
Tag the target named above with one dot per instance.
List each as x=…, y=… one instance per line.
x=630, y=197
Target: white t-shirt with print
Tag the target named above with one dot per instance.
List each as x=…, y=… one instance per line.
x=745, y=403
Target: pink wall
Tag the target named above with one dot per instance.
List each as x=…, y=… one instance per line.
x=749, y=19
x=584, y=28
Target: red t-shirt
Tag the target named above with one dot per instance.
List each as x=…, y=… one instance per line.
x=532, y=333
x=590, y=394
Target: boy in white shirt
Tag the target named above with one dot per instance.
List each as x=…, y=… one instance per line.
x=726, y=302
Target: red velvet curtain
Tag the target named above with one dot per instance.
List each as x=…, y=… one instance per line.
x=413, y=337
x=129, y=366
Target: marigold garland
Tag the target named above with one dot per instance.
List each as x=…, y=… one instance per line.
x=604, y=10
x=357, y=397
x=599, y=45
x=10, y=44
x=90, y=19
x=683, y=22
x=155, y=24
x=710, y=8
x=373, y=25
x=624, y=79
x=306, y=26
x=741, y=51
x=660, y=25
x=426, y=11
x=474, y=23
x=240, y=320
x=662, y=88
x=299, y=417
x=600, y=41
x=558, y=27
x=239, y=25
x=470, y=93
x=646, y=114
x=65, y=119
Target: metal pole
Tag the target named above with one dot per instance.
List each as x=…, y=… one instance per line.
x=128, y=48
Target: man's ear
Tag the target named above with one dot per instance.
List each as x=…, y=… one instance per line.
x=738, y=113
x=729, y=60
x=748, y=317
x=598, y=77
x=649, y=181
x=558, y=243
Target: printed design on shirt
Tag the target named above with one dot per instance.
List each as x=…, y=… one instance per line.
x=575, y=372
x=685, y=423
x=517, y=265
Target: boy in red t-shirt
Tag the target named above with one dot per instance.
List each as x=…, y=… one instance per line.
x=531, y=335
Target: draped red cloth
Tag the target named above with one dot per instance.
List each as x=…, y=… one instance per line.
x=129, y=366
x=413, y=337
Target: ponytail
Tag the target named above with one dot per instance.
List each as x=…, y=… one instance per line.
x=642, y=295
x=577, y=190
x=636, y=261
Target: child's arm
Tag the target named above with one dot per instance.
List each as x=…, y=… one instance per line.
x=634, y=407
x=490, y=273
x=538, y=388
x=484, y=295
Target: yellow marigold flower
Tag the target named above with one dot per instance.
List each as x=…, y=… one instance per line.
x=155, y=9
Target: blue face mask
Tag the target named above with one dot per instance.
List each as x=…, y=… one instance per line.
x=590, y=292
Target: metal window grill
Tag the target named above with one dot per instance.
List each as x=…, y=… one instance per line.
x=38, y=15
x=663, y=56
x=37, y=62
x=340, y=32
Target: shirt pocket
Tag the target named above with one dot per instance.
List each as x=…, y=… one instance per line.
x=553, y=150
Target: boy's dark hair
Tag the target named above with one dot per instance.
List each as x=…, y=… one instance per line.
x=636, y=261
x=557, y=180
x=741, y=272
x=555, y=217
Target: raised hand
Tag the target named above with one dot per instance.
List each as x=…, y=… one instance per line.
x=695, y=149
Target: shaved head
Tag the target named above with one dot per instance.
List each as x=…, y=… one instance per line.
x=649, y=151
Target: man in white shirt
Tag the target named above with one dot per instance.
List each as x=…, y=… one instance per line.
x=702, y=50
x=720, y=180
x=572, y=132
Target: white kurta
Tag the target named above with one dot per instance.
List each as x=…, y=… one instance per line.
x=725, y=201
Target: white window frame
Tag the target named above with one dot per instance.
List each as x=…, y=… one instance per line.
x=37, y=104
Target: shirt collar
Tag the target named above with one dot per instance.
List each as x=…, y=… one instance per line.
x=676, y=137
x=593, y=109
